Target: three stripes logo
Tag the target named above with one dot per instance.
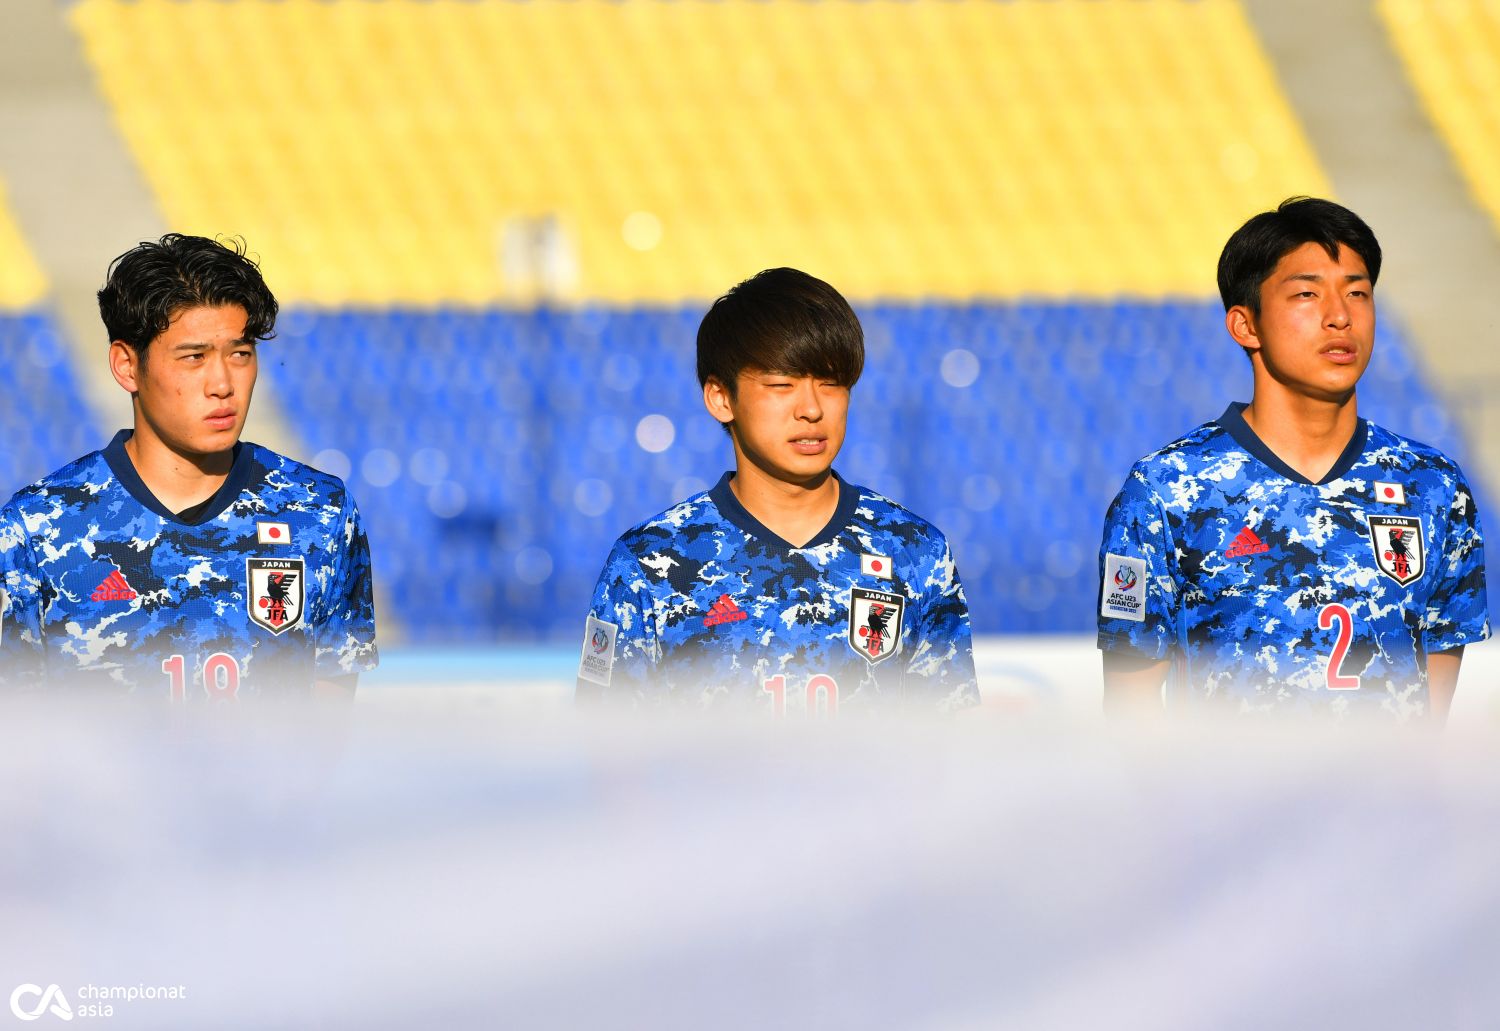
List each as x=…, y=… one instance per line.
x=1246, y=543
x=114, y=588
x=724, y=611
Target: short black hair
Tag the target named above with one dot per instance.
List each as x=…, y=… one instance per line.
x=152, y=283
x=1252, y=252
x=785, y=321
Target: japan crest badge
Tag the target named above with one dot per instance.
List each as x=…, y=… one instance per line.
x=276, y=592
x=875, y=623
x=1400, y=551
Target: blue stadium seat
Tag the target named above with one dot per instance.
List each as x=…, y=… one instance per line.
x=535, y=414
x=44, y=421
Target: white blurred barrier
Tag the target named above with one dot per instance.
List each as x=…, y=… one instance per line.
x=1051, y=679
x=502, y=867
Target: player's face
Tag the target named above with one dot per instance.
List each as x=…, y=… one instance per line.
x=192, y=386
x=1316, y=328
x=790, y=427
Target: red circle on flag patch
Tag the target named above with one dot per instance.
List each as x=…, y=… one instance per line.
x=1390, y=492
x=875, y=565
x=275, y=531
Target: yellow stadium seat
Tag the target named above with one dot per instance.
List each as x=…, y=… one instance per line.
x=1451, y=52
x=381, y=152
x=22, y=284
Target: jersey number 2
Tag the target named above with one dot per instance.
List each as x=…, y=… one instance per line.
x=1339, y=614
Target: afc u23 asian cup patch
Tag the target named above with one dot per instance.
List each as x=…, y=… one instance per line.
x=1400, y=549
x=277, y=592
x=875, y=623
x=1124, y=594
x=598, y=662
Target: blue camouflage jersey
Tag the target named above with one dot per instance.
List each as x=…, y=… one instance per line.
x=262, y=590
x=1270, y=592
x=703, y=605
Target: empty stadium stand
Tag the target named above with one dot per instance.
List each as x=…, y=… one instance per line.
x=43, y=419
x=495, y=225
x=1451, y=53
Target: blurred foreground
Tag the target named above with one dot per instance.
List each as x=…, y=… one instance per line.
x=530, y=867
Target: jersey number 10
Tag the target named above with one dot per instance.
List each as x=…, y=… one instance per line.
x=221, y=676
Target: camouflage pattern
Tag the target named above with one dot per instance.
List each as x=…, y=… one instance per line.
x=703, y=606
x=105, y=589
x=1253, y=574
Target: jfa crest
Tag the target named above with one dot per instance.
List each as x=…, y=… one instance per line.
x=276, y=592
x=1400, y=551
x=875, y=623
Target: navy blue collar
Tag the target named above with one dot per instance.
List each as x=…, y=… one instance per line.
x=239, y=477
x=730, y=508
x=1233, y=421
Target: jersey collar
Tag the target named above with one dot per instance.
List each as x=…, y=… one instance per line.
x=239, y=477
x=1233, y=422
x=730, y=508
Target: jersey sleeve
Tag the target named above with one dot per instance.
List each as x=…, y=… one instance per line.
x=620, y=647
x=1457, y=610
x=940, y=666
x=345, y=634
x=1138, y=588
x=22, y=654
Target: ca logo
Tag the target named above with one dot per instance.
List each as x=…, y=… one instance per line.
x=52, y=998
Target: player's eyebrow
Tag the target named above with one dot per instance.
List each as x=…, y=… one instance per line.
x=1316, y=277
x=201, y=345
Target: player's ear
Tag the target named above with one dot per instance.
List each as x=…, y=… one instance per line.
x=1240, y=322
x=125, y=365
x=716, y=400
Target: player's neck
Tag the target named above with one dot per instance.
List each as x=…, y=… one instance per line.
x=795, y=512
x=178, y=481
x=1308, y=434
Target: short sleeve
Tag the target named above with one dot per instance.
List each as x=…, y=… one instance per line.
x=940, y=666
x=22, y=652
x=1138, y=590
x=345, y=634
x=620, y=648
x=1457, y=609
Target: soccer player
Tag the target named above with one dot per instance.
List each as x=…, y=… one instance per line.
x=180, y=563
x=1290, y=555
x=784, y=586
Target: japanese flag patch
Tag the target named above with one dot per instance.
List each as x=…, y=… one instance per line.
x=273, y=533
x=598, y=662
x=875, y=565
x=1124, y=594
x=1390, y=493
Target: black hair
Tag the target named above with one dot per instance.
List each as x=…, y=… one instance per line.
x=1252, y=252
x=152, y=283
x=782, y=321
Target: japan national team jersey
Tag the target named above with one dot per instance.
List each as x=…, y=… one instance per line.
x=261, y=591
x=1272, y=592
x=704, y=605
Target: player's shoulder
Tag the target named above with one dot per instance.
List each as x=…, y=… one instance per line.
x=1194, y=453
x=285, y=480
x=70, y=488
x=683, y=522
x=882, y=515
x=1396, y=452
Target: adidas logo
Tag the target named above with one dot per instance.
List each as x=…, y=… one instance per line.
x=1246, y=543
x=114, y=588
x=724, y=611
